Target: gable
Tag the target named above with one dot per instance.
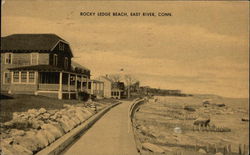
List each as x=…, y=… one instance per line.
x=62, y=46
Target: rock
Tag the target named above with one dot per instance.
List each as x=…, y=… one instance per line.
x=22, y=150
x=202, y=151
x=51, y=138
x=66, y=106
x=36, y=124
x=42, y=139
x=9, y=150
x=32, y=111
x=64, y=124
x=177, y=130
x=188, y=108
x=205, y=103
x=15, y=132
x=220, y=105
x=245, y=119
x=53, y=130
x=7, y=141
x=42, y=110
x=202, y=122
x=152, y=147
x=29, y=141
x=218, y=153
x=45, y=116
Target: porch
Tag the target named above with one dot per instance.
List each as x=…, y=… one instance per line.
x=62, y=83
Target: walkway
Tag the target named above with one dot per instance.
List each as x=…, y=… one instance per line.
x=111, y=135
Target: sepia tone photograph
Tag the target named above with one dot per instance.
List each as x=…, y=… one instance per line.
x=142, y=77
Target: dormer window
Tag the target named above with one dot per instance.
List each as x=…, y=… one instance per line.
x=55, y=59
x=61, y=46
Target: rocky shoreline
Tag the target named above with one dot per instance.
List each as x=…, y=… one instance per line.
x=31, y=131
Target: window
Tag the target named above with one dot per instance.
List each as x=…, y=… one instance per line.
x=31, y=77
x=7, y=78
x=23, y=77
x=55, y=59
x=34, y=58
x=66, y=62
x=61, y=46
x=16, y=77
x=8, y=58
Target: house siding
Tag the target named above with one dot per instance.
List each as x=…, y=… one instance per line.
x=43, y=59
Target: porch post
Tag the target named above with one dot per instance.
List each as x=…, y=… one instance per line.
x=87, y=85
x=60, y=87
x=81, y=83
x=76, y=87
x=76, y=83
x=69, y=84
x=36, y=82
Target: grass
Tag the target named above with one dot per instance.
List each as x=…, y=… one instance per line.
x=21, y=103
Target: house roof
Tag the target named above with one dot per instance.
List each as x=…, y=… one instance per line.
x=75, y=64
x=30, y=42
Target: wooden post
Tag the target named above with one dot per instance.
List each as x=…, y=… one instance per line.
x=60, y=87
x=81, y=83
x=69, y=84
x=244, y=149
x=36, y=82
x=240, y=151
x=76, y=82
x=229, y=149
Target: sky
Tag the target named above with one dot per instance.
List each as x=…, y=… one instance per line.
x=202, y=48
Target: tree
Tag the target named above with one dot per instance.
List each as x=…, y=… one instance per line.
x=129, y=80
x=115, y=77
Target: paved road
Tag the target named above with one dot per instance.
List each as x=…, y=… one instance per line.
x=111, y=135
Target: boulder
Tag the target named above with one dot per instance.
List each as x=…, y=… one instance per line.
x=245, y=119
x=22, y=150
x=152, y=147
x=32, y=111
x=16, y=132
x=15, y=150
x=189, y=108
x=218, y=153
x=42, y=110
x=42, y=139
x=36, y=124
x=7, y=141
x=53, y=130
x=28, y=141
x=202, y=121
x=63, y=123
x=220, y=105
x=51, y=138
x=202, y=151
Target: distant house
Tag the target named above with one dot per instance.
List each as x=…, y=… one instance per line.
x=40, y=64
x=107, y=85
x=117, y=90
x=97, y=88
x=112, y=89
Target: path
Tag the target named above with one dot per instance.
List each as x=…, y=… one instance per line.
x=111, y=135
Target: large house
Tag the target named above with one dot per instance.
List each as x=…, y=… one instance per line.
x=41, y=64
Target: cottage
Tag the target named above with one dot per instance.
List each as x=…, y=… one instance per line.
x=97, y=88
x=40, y=64
x=107, y=85
x=112, y=89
